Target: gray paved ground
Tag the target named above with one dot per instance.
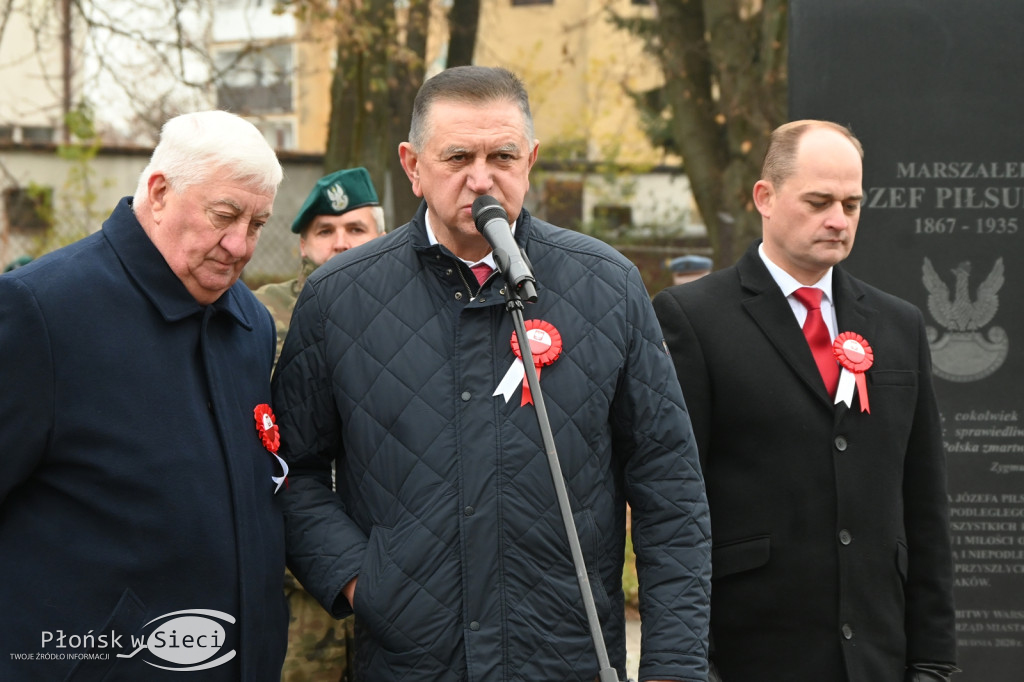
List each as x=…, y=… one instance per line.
x=632, y=644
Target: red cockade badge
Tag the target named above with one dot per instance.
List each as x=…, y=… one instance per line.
x=545, y=346
x=266, y=427
x=855, y=355
x=271, y=439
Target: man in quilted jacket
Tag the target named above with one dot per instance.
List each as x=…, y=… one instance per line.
x=444, y=534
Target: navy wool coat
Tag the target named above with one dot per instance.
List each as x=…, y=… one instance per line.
x=133, y=482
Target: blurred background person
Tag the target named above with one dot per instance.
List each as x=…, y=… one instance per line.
x=17, y=263
x=688, y=268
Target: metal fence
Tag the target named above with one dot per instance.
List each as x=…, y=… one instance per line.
x=49, y=201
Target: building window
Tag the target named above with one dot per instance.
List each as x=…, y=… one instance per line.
x=38, y=134
x=6, y=133
x=28, y=210
x=255, y=81
x=563, y=202
x=613, y=217
x=279, y=134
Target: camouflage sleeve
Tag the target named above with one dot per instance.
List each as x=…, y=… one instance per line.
x=279, y=299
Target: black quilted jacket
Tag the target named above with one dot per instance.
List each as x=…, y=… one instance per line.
x=445, y=507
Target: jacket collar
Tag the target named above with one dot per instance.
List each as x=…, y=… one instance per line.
x=433, y=254
x=421, y=242
x=150, y=272
x=852, y=312
x=766, y=304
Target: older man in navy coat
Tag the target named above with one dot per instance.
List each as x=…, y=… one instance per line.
x=831, y=557
x=140, y=535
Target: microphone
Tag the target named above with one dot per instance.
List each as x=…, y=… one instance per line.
x=492, y=222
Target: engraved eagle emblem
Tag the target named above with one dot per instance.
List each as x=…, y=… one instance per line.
x=959, y=312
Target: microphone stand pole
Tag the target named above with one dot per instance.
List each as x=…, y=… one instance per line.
x=514, y=305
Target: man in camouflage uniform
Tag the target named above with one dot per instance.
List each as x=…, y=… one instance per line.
x=340, y=213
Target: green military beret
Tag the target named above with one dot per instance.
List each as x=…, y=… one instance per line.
x=335, y=194
x=17, y=263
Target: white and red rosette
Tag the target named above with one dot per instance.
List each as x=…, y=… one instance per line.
x=855, y=355
x=271, y=439
x=545, y=346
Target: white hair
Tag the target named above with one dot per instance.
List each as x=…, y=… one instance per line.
x=378, y=216
x=194, y=146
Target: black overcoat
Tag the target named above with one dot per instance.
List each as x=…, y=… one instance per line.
x=831, y=551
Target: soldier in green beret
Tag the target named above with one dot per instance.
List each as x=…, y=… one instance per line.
x=341, y=212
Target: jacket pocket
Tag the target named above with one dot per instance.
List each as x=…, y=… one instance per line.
x=737, y=556
x=375, y=591
x=127, y=618
x=590, y=544
x=902, y=560
x=892, y=377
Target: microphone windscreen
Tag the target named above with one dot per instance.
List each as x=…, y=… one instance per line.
x=485, y=208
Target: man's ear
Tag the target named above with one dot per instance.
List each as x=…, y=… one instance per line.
x=764, y=197
x=534, y=152
x=410, y=163
x=157, y=189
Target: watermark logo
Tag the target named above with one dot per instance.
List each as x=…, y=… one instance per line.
x=187, y=640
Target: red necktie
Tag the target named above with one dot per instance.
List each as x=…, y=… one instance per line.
x=818, y=337
x=482, y=272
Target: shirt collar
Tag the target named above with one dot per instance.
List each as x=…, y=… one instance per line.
x=488, y=259
x=786, y=281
